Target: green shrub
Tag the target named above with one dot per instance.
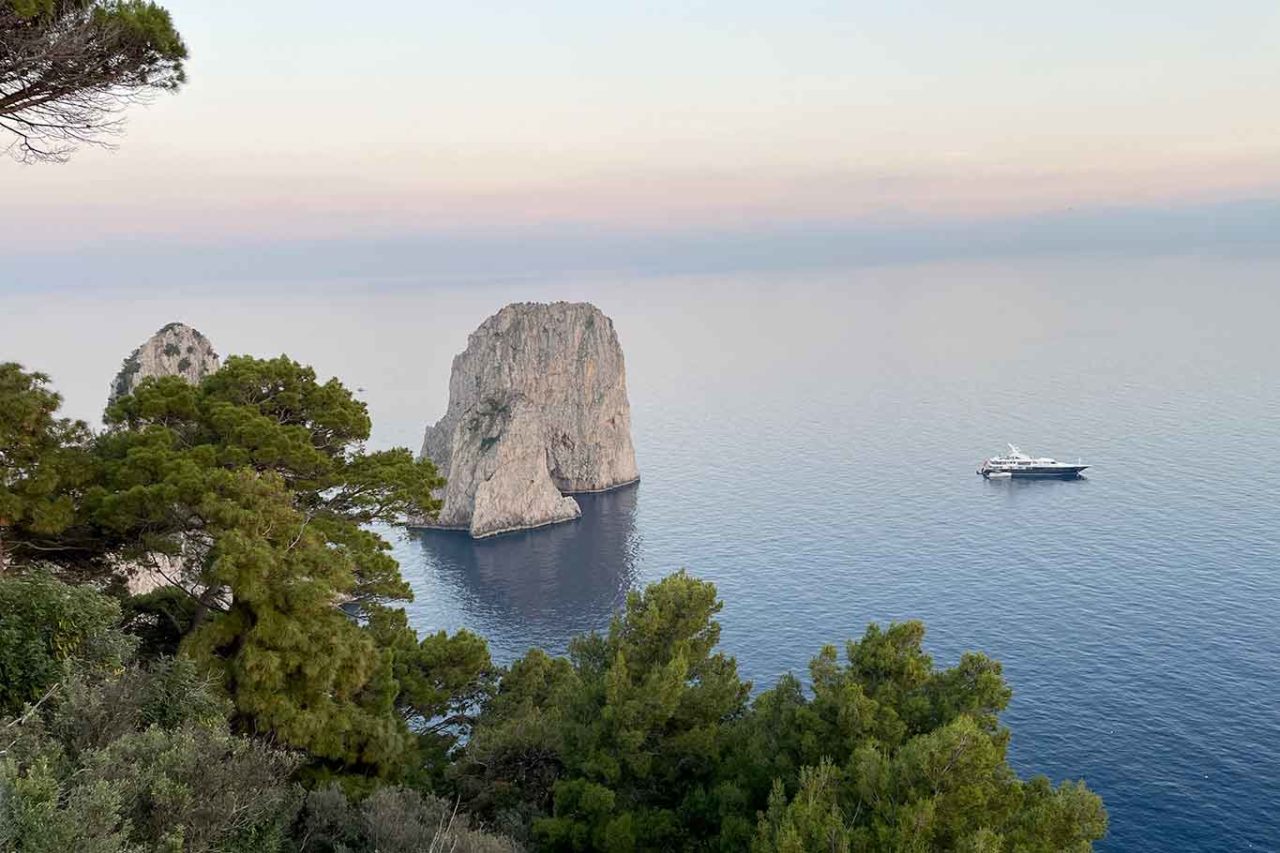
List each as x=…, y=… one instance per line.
x=391, y=820
x=47, y=628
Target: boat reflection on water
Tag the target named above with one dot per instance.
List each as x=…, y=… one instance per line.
x=532, y=588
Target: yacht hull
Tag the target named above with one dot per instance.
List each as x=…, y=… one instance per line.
x=1066, y=472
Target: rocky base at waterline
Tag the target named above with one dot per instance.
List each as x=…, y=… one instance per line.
x=537, y=410
x=175, y=350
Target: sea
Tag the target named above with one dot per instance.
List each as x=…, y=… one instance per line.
x=809, y=441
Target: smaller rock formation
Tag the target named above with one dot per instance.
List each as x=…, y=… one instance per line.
x=175, y=350
x=537, y=409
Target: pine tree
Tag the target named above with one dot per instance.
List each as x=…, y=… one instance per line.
x=44, y=466
x=258, y=489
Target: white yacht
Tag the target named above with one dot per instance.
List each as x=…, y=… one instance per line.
x=1015, y=463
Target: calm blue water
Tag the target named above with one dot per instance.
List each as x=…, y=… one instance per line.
x=808, y=442
x=810, y=447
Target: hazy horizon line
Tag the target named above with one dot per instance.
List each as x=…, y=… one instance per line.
x=1239, y=227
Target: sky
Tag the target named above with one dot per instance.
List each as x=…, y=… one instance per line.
x=504, y=127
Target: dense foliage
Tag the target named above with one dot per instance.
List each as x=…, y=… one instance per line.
x=642, y=740
x=258, y=490
x=45, y=627
x=616, y=746
x=268, y=694
x=897, y=755
x=136, y=756
x=43, y=465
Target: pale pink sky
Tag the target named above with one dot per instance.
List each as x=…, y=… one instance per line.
x=687, y=116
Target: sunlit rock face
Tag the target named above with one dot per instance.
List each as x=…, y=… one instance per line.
x=175, y=350
x=537, y=409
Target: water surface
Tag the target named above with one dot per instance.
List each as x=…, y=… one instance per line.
x=810, y=446
x=808, y=442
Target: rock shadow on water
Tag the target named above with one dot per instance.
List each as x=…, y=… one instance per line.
x=541, y=587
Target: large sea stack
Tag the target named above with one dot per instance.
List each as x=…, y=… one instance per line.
x=175, y=350
x=537, y=410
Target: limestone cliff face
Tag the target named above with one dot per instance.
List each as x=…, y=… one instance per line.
x=537, y=408
x=175, y=350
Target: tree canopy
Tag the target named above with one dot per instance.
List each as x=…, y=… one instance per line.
x=894, y=754
x=44, y=466
x=258, y=489
x=642, y=739
x=270, y=694
x=68, y=67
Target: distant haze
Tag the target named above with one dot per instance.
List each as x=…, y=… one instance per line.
x=394, y=338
